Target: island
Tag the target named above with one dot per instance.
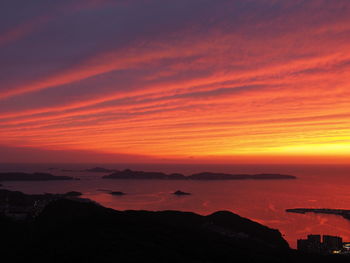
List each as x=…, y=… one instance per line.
x=99, y=170
x=91, y=170
x=118, y=193
x=225, y=176
x=178, y=192
x=341, y=212
x=130, y=174
x=19, y=176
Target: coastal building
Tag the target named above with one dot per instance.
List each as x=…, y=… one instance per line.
x=329, y=244
x=312, y=244
x=332, y=243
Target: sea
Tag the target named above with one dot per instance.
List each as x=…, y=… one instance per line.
x=264, y=201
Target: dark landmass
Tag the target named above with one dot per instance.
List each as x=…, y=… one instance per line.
x=99, y=170
x=22, y=206
x=17, y=198
x=73, y=193
x=117, y=193
x=178, y=192
x=341, y=212
x=129, y=174
x=91, y=170
x=13, y=176
x=71, y=230
x=224, y=176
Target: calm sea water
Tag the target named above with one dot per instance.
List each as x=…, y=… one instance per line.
x=261, y=201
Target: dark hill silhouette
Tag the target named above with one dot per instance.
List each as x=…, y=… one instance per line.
x=167, y=236
x=78, y=231
x=19, y=199
x=73, y=194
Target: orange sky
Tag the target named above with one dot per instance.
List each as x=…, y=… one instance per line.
x=140, y=81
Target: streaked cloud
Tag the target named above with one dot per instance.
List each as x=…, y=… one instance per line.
x=177, y=79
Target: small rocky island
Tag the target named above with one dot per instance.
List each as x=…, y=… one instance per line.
x=178, y=192
x=19, y=176
x=138, y=175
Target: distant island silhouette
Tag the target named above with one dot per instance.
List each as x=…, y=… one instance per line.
x=19, y=176
x=178, y=192
x=99, y=170
x=91, y=170
x=130, y=174
x=118, y=193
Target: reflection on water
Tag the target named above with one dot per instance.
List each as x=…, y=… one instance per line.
x=262, y=201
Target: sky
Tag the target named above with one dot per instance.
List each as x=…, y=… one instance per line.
x=226, y=81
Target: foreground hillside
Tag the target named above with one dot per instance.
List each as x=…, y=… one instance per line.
x=76, y=231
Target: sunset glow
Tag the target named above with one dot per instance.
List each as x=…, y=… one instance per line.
x=258, y=81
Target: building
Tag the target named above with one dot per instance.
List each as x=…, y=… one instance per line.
x=332, y=243
x=313, y=244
